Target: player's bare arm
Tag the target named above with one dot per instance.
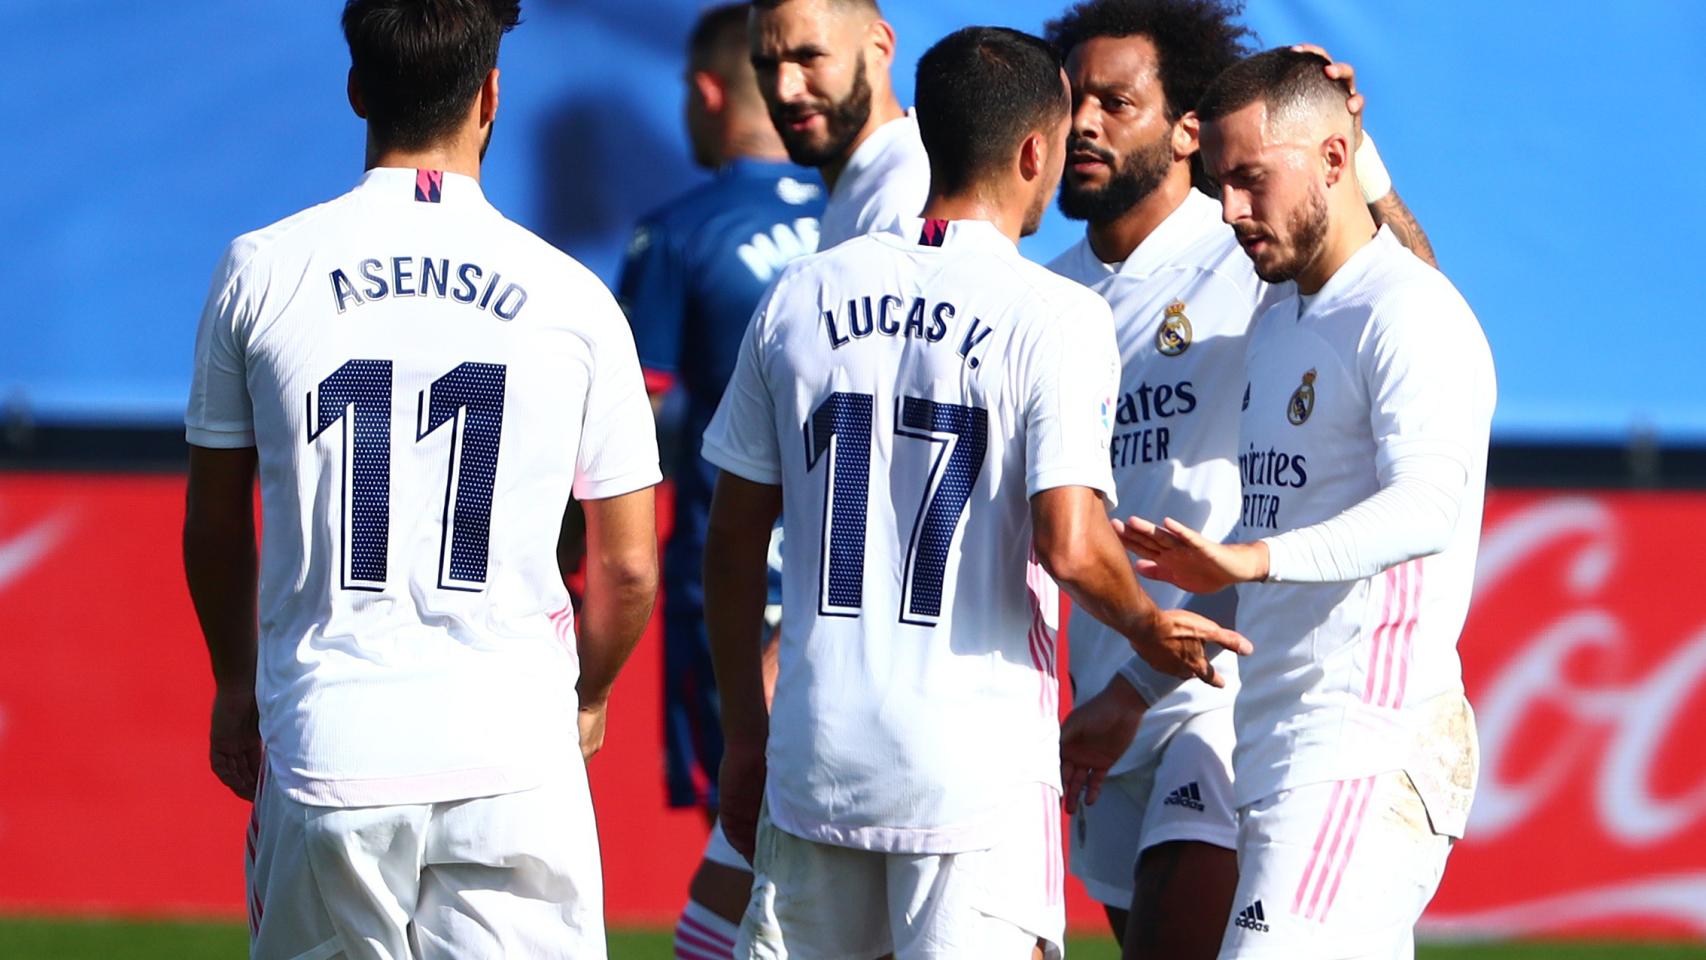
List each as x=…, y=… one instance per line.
x=1391, y=211
x=1075, y=544
x=737, y=544
x=621, y=586
x=1388, y=209
x=222, y=569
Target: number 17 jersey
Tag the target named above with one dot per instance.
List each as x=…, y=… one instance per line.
x=910, y=390
x=424, y=383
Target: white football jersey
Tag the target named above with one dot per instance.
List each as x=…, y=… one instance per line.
x=425, y=382
x=886, y=179
x=910, y=390
x=1183, y=303
x=1387, y=359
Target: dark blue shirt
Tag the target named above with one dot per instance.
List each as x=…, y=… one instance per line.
x=695, y=272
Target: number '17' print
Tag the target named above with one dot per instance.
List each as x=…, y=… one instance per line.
x=838, y=435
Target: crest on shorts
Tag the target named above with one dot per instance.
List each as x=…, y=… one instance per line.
x=1174, y=337
x=1302, y=402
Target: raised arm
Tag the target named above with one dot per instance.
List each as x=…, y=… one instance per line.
x=222, y=570
x=621, y=586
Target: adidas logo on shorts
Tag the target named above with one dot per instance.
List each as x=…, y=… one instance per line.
x=1187, y=796
x=1252, y=918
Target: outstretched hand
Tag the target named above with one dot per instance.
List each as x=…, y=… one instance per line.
x=1185, y=558
x=1181, y=646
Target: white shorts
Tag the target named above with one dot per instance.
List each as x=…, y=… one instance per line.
x=514, y=875
x=1187, y=795
x=718, y=849
x=815, y=901
x=1334, y=871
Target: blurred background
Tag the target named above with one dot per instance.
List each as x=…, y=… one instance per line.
x=1549, y=149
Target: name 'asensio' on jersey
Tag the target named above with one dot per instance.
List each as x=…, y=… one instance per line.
x=426, y=276
x=883, y=315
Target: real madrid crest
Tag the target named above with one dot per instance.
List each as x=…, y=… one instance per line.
x=1302, y=402
x=1174, y=337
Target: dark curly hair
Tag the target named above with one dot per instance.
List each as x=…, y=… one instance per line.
x=1196, y=39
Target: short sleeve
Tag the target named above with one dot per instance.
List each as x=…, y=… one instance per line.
x=1429, y=375
x=618, y=450
x=219, y=413
x=1072, y=379
x=653, y=292
x=742, y=436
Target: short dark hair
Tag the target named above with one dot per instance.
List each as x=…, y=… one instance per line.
x=1194, y=39
x=419, y=63
x=979, y=92
x=713, y=28
x=1281, y=77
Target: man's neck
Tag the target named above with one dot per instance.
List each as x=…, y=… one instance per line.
x=751, y=142
x=449, y=157
x=973, y=206
x=1349, y=229
x=884, y=108
x=1113, y=241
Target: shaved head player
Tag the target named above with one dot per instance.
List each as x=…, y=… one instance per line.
x=1362, y=455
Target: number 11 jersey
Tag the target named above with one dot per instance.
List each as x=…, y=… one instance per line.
x=424, y=383
x=910, y=390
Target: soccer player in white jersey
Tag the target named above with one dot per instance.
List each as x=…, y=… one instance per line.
x=420, y=384
x=824, y=68
x=935, y=411
x=1366, y=412
x=1160, y=836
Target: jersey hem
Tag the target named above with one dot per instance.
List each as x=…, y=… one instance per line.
x=616, y=486
x=437, y=787
x=740, y=466
x=219, y=439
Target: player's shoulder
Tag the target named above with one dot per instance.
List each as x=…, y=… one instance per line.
x=296, y=233
x=1404, y=289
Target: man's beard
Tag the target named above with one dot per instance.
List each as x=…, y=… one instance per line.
x=842, y=122
x=1308, y=228
x=1128, y=183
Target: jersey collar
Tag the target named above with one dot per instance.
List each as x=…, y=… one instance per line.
x=922, y=234
x=404, y=184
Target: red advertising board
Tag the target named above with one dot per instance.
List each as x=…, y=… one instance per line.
x=1585, y=656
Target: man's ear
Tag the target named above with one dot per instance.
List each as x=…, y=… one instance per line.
x=489, y=98
x=1336, y=157
x=1033, y=156
x=880, y=36
x=1187, y=135
x=354, y=91
x=713, y=93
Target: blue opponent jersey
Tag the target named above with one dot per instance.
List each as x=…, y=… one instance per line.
x=695, y=271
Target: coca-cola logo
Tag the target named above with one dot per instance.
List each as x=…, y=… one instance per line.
x=1585, y=657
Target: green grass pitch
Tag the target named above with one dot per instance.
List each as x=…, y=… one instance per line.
x=33, y=939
